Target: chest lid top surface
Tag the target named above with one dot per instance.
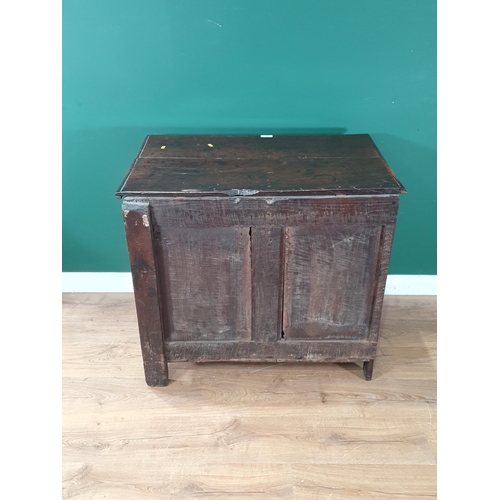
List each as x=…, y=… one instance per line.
x=222, y=165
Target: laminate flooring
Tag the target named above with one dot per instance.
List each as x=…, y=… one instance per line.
x=246, y=430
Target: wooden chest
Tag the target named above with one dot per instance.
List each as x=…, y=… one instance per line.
x=259, y=248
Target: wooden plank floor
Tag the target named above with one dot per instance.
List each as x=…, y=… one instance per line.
x=238, y=431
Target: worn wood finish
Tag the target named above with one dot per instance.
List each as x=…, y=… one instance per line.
x=385, y=247
x=206, y=278
x=328, y=282
x=137, y=219
x=368, y=369
x=253, y=146
x=246, y=430
x=273, y=211
x=263, y=249
x=263, y=177
x=291, y=165
x=324, y=351
x=266, y=284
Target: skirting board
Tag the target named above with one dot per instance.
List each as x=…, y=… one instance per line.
x=397, y=284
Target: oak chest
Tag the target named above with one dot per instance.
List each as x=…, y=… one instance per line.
x=259, y=248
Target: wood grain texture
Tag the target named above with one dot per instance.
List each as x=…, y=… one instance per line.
x=328, y=280
x=310, y=271
x=293, y=277
x=238, y=430
x=169, y=481
x=206, y=283
x=311, y=279
x=384, y=255
x=266, y=284
x=273, y=211
x=283, y=350
x=255, y=147
x=292, y=165
x=347, y=482
x=137, y=220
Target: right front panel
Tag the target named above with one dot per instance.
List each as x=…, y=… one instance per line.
x=329, y=281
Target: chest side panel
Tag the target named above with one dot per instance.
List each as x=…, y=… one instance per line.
x=205, y=276
x=245, y=269
x=329, y=276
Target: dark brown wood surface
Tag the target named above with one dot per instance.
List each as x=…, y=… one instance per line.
x=273, y=211
x=251, y=165
x=206, y=283
x=255, y=278
x=283, y=350
x=253, y=249
x=137, y=219
x=368, y=369
x=328, y=281
x=266, y=283
x=385, y=247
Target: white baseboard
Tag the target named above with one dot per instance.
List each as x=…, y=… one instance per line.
x=397, y=284
x=97, y=282
x=411, y=284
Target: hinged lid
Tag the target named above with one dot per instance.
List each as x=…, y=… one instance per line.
x=312, y=165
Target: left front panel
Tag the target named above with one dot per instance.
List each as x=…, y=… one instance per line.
x=205, y=282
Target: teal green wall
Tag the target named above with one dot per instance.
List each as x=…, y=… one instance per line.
x=132, y=68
